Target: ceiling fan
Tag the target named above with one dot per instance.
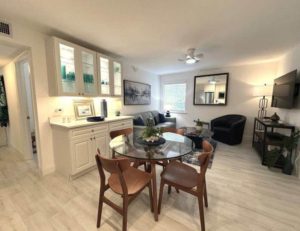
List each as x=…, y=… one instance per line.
x=191, y=57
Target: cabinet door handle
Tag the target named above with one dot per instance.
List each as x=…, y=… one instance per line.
x=94, y=138
x=92, y=130
x=91, y=138
x=78, y=93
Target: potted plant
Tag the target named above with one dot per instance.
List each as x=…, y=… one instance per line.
x=198, y=125
x=288, y=150
x=151, y=135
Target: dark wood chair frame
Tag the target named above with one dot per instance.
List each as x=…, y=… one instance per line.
x=200, y=191
x=116, y=166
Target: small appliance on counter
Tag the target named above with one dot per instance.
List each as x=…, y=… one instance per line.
x=95, y=118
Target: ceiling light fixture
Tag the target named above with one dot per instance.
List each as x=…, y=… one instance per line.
x=191, y=57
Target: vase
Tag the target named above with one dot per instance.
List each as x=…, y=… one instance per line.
x=275, y=117
x=198, y=128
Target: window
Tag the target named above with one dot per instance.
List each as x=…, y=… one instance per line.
x=174, y=97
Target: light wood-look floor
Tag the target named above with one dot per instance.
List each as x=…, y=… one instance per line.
x=242, y=194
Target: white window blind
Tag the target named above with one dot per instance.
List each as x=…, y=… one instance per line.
x=174, y=97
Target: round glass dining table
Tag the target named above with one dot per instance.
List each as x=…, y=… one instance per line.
x=175, y=147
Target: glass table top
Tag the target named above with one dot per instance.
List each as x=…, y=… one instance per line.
x=174, y=147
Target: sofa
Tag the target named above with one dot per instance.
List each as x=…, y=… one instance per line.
x=140, y=121
x=228, y=129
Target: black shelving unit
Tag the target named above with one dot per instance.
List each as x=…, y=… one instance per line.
x=265, y=133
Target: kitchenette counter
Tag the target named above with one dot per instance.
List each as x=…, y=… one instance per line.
x=57, y=121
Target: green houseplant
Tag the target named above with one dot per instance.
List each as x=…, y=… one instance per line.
x=289, y=145
x=151, y=133
x=198, y=124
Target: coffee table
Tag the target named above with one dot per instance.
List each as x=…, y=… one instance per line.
x=197, y=136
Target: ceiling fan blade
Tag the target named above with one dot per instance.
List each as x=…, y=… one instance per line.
x=198, y=56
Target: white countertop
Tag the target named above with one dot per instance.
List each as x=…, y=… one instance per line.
x=57, y=121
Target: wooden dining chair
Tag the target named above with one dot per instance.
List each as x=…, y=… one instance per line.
x=124, y=180
x=125, y=132
x=186, y=178
x=179, y=131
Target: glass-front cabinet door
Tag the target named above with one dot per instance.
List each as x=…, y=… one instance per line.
x=88, y=73
x=104, y=75
x=67, y=69
x=117, y=78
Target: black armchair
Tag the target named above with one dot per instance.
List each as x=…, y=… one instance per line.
x=228, y=129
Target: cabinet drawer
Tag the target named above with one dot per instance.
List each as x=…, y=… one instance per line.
x=89, y=130
x=120, y=124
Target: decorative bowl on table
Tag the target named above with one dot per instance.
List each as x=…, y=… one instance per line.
x=151, y=141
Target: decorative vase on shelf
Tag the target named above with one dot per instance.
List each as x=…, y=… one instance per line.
x=198, y=128
x=198, y=125
x=275, y=117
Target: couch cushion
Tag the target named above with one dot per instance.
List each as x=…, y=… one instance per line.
x=162, y=118
x=166, y=125
x=155, y=116
x=138, y=121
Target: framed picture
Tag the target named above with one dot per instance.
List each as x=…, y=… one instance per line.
x=136, y=93
x=83, y=109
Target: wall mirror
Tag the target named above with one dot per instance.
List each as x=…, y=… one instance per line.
x=211, y=89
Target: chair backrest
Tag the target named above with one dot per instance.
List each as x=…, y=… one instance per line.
x=204, y=159
x=179, y=131
x=112, y=166
x=125, y=132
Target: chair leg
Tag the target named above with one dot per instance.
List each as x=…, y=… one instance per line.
x=161, y=189
x=125, y=210
x=205, y=195
x=150, y=196
x=201, y=211
x=100, y=205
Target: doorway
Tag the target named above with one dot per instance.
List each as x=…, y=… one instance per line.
x=23, y=72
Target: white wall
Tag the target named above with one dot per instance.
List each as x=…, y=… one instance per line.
x=138, y=75
x=242, y=79
x=290, y=62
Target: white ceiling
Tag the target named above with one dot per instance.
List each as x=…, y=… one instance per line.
x=153, y=34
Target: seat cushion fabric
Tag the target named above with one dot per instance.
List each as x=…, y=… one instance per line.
x=135, y=180
x=181, y=174
x=165, y=125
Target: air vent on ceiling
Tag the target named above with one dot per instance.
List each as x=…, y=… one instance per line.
x=5, y=29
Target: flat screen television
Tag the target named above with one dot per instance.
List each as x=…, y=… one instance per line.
x=285, y=90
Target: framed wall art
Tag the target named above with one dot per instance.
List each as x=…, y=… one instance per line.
x=83, y=109
x=136, y=93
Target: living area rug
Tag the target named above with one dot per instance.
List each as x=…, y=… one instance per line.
x=193, y=157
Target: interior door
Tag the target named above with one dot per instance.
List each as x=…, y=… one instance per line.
x=25, y=99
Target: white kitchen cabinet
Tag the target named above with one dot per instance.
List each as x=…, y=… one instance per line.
x=81, y=157
x=75, y=145
x=117, y=78
x=110, y=76
x=72, y=69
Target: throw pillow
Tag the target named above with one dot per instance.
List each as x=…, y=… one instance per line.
x=138, y=121
x=162, y=118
